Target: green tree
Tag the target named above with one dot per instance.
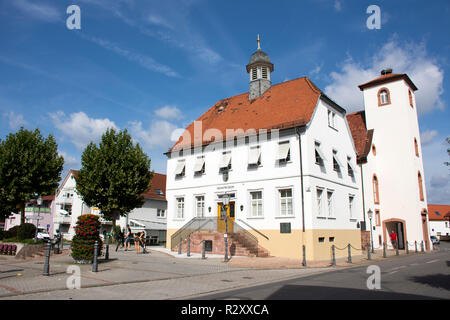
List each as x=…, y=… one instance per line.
x=113, y=175
x=29, y=166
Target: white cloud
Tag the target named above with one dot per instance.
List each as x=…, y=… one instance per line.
x=337, y=5
x=70, y=162
x=39, y=11
x=427, y=137
x=409, y=58
x=81, y=129
x=15, y=121
x=158, y=134
x=169, y=112
x=159, y=21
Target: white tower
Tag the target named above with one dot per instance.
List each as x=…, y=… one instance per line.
x=393, y=176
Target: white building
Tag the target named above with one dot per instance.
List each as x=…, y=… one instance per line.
x=390, y=158
x=288, y=165
x=439, y=216
x=151, y=218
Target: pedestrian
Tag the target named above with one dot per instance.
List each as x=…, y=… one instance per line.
x=393, y=237
x=128, y=238
x=142, y=241
x=136, y=243
x=120, y=239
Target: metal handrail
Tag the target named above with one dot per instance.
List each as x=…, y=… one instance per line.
x=262, y=234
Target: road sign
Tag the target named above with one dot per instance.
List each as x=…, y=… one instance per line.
x=34, y=217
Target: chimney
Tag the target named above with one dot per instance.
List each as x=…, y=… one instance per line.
x=386, y=71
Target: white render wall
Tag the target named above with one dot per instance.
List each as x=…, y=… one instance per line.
x=395, y=163
x=270, y=177
x=439, y=228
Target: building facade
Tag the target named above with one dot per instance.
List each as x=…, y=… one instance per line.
x=439, y=216
x=150, y=218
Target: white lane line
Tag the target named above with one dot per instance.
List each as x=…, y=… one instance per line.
x=432, y=261
x=392, y=272
x=396, y=268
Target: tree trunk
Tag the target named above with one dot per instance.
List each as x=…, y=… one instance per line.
x=22, y=213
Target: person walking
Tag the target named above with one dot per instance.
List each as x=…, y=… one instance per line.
x=120, y=239
x=136, y=243
x=393, y=237
x=128, y=238
x=142, y=241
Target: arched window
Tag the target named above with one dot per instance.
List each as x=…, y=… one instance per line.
x=416, y=147
x=419, y=176
x=383, y=97
x=376, y=193
x=410, y=98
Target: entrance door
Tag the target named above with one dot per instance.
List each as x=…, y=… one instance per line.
x=400, y=236
x=425, y=231
x=230, y=214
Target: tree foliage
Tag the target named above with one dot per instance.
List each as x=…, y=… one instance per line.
x=114, y=174
x=29, y=166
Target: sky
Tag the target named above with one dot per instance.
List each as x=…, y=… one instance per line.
x=153, y=67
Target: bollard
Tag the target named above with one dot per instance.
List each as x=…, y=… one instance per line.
x=368, y=251
x=203, y=249
x=95, y=263
x=107, y=247
x=333, y=261
x=422, y=246
x=384, y=249
x=407, y=247
x=349, y=254
x=415, y=244
x=189, y=246
x=179, y=246
x=47, y=259
x=304, y=256
x=396, y=249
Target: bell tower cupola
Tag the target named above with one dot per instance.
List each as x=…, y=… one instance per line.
x=259, y=69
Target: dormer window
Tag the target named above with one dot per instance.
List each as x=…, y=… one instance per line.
x=384, y=97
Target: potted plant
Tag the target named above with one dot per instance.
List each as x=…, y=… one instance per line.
x=87, y=231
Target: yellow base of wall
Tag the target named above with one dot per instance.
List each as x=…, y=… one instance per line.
x=289, y=245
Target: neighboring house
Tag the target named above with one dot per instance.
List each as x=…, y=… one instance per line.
x=152, y=216
x=387, y=138
x=69, y=206
x=32, y=210
x=439, y=220
x=287, y=163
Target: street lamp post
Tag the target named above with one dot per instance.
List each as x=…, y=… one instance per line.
x=39, y=203
x=226, y=201
x=369, y=214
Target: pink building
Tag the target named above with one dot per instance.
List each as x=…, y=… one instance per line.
x=46, y=212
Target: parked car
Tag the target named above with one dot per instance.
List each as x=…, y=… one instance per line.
x=43, y=234
x=434, y=240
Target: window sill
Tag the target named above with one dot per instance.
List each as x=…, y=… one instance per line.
x=321, y=218
x=255, y=218
x=353, y=220
x=178, y=219
x=284, y=217
x=331, y=218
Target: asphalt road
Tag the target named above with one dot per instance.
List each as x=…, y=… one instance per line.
x=424, y=276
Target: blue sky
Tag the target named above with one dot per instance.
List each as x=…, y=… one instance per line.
x=155, y=66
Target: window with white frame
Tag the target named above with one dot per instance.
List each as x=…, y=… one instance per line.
x=254, y=156
x=199, y=167
x=320, y=158
x=331, y=119
x=330, y=202
x=200, y=206
x=350, y=170
x=180, y=169
x=286, y=202
x=180, y=208
x=351, y=201
x=336, y=163
x=160, y=213
x=284, y=151
x=319, y=196
x=256, y=204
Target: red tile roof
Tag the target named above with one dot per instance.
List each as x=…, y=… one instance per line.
x=158, y=186
x=361, y=136
x=285, y=105
x=388, y=78
x=443, y=210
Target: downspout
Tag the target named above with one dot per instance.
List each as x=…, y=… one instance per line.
x=363, y=197
x=301, y=177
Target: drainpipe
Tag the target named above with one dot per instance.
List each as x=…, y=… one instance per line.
x=363, y=198
x=301, y=177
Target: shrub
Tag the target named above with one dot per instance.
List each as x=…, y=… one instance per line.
x=26, y=231
x=13, y=232
x=86, y=233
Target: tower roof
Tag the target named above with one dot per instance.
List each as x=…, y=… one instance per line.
x=259, y=57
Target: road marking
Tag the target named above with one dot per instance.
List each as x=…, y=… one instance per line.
x=432, y=261
x=392, y=272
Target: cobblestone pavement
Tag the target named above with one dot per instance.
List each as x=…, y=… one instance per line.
x=160, y=274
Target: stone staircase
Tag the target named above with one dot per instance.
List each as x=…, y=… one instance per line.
x=238, y=244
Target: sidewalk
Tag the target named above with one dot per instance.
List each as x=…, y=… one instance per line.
x=157, y=275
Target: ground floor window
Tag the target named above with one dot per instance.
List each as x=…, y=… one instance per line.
x=180, y=208
x=256, y=204
x=286, y=202
x=200, y=206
